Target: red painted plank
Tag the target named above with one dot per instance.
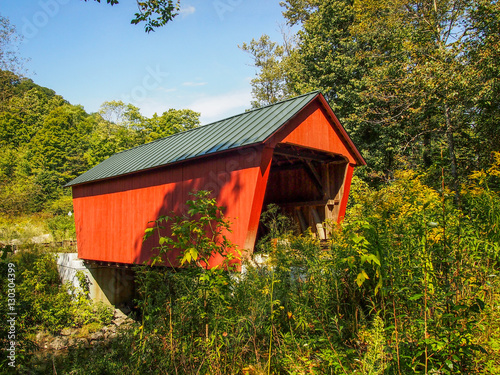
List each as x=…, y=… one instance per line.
x=112, y=215
x=347, y=188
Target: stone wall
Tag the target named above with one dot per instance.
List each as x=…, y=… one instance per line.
x=110, y=284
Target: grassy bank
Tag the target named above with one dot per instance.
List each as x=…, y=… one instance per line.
x=408, y=284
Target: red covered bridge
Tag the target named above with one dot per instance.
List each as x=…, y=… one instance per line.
x=293, y=153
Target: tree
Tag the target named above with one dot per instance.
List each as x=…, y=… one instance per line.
x=10, y=62
x=107, y=139
x=119, y=126
x=156, y=13
x=19, y=190
x=272, y=83
x=484, y=55
x=421, y=78
x=414, y=82
x=9, y=59
x=170, y=122
x=61, y=143
x=125, y=115
x=24, y=115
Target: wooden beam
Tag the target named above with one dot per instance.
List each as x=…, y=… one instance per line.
x=301, y=155
x=325, y=202
x=319, y=224
x=316, y=178
x=287, y=167
x=302, y=220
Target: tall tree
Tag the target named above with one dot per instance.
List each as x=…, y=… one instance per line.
x=414, y=82
x=60, y=145
x=272, y=83
x=9, y=40
x=430, y=76
x=170, y=122
x=24, y=115
x=10, y=62
x=125, y=115
x=484, y=55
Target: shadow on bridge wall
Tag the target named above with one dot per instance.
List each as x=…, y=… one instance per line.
x=231, y=178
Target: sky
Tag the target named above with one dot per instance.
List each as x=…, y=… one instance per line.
x=89, y=53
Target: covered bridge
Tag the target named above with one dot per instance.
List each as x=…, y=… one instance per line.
x=293, y=153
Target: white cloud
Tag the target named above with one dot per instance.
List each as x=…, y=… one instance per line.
x=211, y=107
x=194, y=84
x=151, y=106
x=164, y=89
x=186, y=11
x=218, y=107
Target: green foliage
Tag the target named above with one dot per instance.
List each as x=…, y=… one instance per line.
x=42, y=302
x=62, y=227
x=45, y=142
x=156, y=13
x=62, y=206
x=22, y=228
x=198, y=236
x=414, y=83
x=408, y=285
x=270, y=86
x=277, y=225
x=170, y=122
x=9, y=59
x=375, y=359
x=61, y=142
x=405, y=263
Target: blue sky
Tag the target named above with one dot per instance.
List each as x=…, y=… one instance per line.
x=90, y=53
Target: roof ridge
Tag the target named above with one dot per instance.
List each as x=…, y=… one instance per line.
x=240, y=130
x=260, y=108
x=218, y=121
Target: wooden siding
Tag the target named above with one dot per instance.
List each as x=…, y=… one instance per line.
x=111, y=217
x=315, y=127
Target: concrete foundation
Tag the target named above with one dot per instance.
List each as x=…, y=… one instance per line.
x=111, y=285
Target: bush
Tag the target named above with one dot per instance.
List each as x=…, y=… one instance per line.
x=403, y=288
x=408, y=285
x=43, y=303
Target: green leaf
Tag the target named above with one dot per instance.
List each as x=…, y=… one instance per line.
x=415, y=297
x=360, y=279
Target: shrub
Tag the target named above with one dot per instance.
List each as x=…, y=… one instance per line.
x=407, y=285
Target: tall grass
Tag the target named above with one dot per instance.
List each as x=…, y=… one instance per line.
x=406, y=286
x=409, y=284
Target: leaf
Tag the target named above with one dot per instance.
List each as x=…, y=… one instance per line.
x=449, y=364
x=362, y=276
x=186, y=258
x=370, y=258
x=480, y=303
x=415, y=297
x=194, y=253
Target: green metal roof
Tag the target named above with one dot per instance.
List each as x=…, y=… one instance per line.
x=245, y=129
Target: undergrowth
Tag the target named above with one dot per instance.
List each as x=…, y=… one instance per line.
x=409, y=284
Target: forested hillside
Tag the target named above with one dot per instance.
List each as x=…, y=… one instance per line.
x=46, y=141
